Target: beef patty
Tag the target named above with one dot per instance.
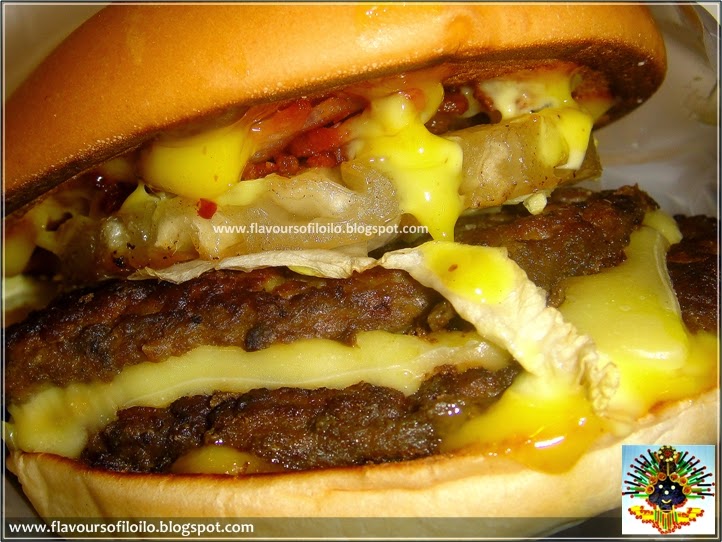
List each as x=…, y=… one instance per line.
x=92, y=334
x=693, y=268
x=300, y=429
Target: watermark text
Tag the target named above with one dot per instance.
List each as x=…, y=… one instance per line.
x=313, y=228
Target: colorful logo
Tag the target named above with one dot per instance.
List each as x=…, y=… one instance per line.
x=673, y=482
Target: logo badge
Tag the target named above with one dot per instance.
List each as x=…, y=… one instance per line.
x=668, y=489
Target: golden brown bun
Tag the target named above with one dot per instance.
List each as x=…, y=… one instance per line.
x=133, y=70
x=463, y=485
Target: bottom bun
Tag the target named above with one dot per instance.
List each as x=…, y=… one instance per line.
x=446, y=486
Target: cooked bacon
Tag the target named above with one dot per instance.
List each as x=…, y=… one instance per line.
x=334, y=109
x=454, y=103
x=449, y=116
x=325, y=159
x=271, y=135
x=258, y=170
x=287, y=164
x=316, y=141
x=274, y=133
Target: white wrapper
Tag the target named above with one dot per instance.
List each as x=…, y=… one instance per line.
x=669, y=146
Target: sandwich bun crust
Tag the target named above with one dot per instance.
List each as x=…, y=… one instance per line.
x=458, y=485
x=132, y=71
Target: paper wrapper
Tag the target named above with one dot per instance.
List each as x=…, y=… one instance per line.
x=669, y=145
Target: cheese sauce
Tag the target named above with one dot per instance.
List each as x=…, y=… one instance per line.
x=479, y=274
x=425, y=171
x=549, y=94
x=199, y=166
x=632, y=314
x=540, y=424
x=425, y=168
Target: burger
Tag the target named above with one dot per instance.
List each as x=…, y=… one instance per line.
x=332, y=261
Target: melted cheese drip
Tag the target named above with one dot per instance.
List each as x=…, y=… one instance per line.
x=425, y=168
x=548, y=94
x=530, y=92
x=490, y=291
x=218, y=459
x=575, y=127
x=204, y=165
x=540, y=424
x=59, y=420
x=633, y=316
x=647, y=340
x=460, y=269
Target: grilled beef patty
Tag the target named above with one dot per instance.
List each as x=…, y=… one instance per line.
x=92, y=334
x=300, y=429
x=693, y=268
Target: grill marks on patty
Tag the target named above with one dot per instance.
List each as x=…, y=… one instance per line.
x=300, y=429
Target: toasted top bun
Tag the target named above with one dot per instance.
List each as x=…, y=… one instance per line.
x=131, y=71
x=462, y=485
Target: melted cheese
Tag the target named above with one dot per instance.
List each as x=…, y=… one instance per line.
x=637, y=327
x=543, y=422
x=491, y=292
x=548, y=94
x=633, y=316
x=529, y=92
x=59, y=420
x=575, y=127
x=475, y=106
x=539, y=423
x=219, y=459
x=425, y=168
x=204, y=165
x=460, y=269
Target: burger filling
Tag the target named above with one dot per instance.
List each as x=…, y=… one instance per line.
x=350, y=170
x=331, y=281
x=271, y=369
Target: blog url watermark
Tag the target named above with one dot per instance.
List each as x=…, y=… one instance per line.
x=122, y=528
x=312, y=228
x=297, y=528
